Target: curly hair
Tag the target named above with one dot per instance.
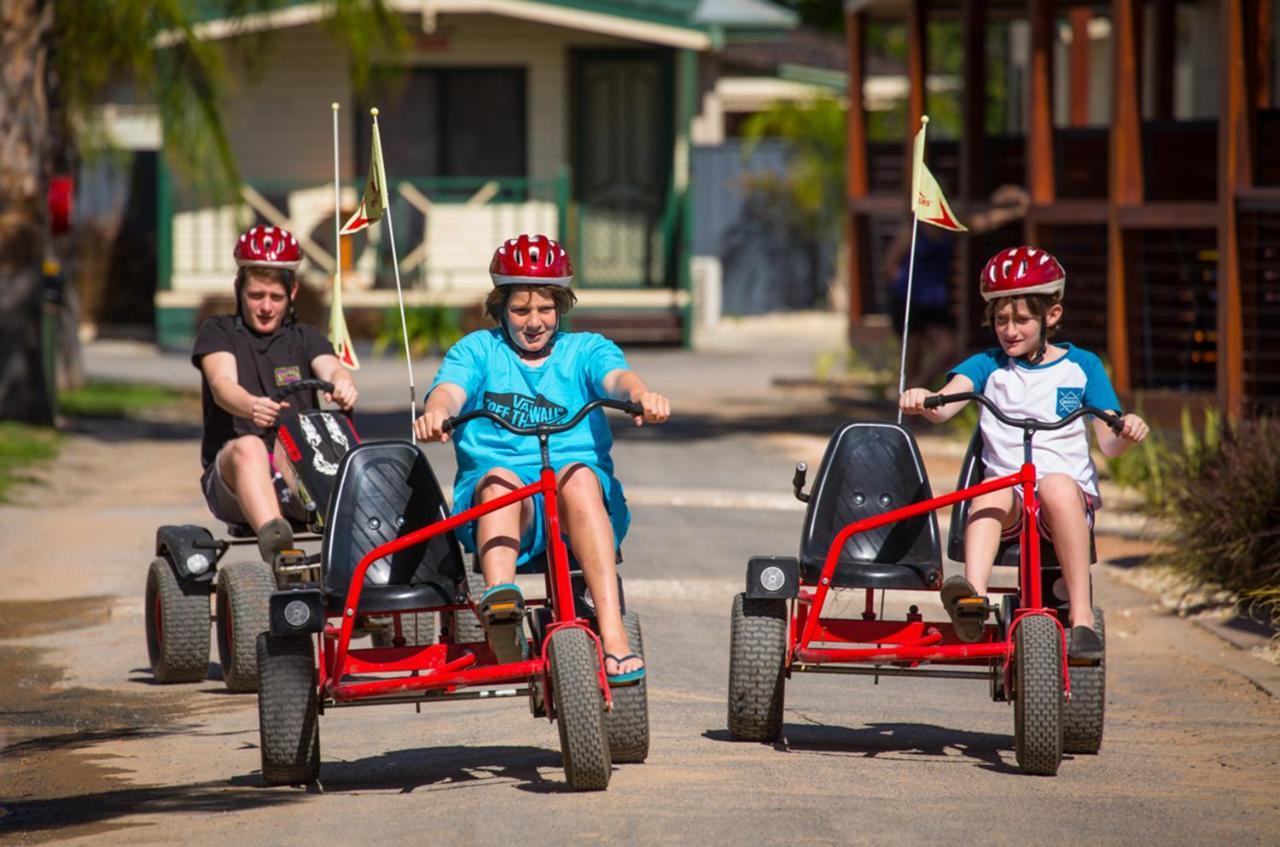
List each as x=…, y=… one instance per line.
x=496, y=303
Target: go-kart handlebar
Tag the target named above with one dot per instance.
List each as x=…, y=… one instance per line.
x=1025, y=424
x=544, y=429
x=302, y=385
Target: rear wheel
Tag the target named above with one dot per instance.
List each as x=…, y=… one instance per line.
x=1037, y=705
x=418, y=629
x=575, y=691
x=177, y=625
x=243, y=606
x=757, y=652
x=288, y=714
x=464, y=626
x=1084, y=713
x=628, y=723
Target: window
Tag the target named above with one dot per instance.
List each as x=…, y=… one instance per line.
x=459, y=122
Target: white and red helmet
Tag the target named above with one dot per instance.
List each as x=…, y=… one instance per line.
x=531, y=260
x=1018, y=271
x=268, y=247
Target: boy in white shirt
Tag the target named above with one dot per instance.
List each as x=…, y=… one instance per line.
x=1027, y=376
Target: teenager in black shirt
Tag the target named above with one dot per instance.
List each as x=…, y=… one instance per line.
x=243, y=359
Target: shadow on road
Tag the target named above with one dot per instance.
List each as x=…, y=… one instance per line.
x=439, y=768
x=928, y=742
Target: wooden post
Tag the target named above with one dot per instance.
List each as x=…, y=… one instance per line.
x=1125, y=188
x=1165, y=42
x=1260, y=80
x=1235, y=171
x=856, y=182
x=973, y=170
x=916, y=68
x=1039, y=149
x=1079, y=64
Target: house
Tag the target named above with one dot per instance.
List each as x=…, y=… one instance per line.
x=1144, y=134
x=567, y=117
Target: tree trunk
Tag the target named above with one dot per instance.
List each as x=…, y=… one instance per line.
x=25, y=28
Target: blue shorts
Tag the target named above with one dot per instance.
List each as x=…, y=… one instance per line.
x=534, y=541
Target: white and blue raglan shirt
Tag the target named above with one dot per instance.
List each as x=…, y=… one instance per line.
x=1049, y=392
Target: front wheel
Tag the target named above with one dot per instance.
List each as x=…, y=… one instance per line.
x=288, y=710
x=757, y=653
x=177, y=620
x=575, y=691
x=243, y=604
x=1037, y=691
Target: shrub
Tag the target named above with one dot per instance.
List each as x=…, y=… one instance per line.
x=430, y=328
x=1221, y=498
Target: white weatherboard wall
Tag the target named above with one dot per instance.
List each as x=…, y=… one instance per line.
x=280, y=128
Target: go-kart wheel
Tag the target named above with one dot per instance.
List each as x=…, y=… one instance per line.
x=1083, y=717
x=757, y=652
x=418, y=629
x=244, y=596
x=579, y=706
x=288, y=721
x=628, y=724
x=1037, y=705
x=177, y=625
x=464, y=625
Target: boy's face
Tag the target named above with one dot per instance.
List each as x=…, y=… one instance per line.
x=1018, y=331
x=264, y=300
x=531, y=319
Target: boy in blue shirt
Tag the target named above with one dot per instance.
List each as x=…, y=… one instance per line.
x=528, y=372
x=1027, y=376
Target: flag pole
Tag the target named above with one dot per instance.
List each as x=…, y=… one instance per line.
x=335, y=302
x=404, y=328
x=911, y=269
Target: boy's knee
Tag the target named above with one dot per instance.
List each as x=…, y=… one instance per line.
x=578, y=482
x=1058, y=491
x=495, y=483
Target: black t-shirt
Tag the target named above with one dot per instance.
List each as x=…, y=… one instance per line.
x=264, y=364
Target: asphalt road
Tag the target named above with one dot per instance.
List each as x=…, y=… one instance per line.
x=92, y=750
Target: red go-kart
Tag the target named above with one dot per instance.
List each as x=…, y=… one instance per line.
x=388, y=515
x=870, y=526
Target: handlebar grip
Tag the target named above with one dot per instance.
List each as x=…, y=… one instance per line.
x=933, y=402
x=634, y=409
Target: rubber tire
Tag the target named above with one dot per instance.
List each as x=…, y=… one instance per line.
x=464, y=625
x=579, y=707
x=288, y=713
x=1038, y=695
x=627, y=724
x=1085, y=714
x=177, y=625
x=418, y=629
x=243, y=611
x=757, y=652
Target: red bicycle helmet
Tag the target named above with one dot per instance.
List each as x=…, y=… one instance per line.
x=268, y=247
x=531, y=260
x=1017, y=271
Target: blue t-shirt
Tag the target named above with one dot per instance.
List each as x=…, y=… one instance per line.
x=484, y=366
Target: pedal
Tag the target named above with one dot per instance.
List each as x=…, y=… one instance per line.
x=292, y=562
x=973, y=609
x=504, y=613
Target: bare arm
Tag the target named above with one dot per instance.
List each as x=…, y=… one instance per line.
x=328, y=368
x=1011, y=204
x=220, y=372
x=444, y=402
x=912, y=400
x=1134, y=430
x=623, y=384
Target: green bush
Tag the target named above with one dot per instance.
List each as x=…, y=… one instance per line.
x=430, y=328
x=20, y=447
x=1221, y=497
x=114, y=399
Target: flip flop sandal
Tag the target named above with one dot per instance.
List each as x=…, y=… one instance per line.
x=619, y=680
x=1084, y=645
x=967, y=609
x=501, y=610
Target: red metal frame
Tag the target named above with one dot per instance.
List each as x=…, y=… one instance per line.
x=915, y=641
x=450, y=667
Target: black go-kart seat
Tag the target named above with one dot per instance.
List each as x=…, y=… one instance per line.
x=869, y=469
x=386, y=489
x=1008, y=554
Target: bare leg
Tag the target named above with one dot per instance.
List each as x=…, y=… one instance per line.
x=591, y=537
x=243, y=466
x=498, y=533
x=988, y=515
x=1062, y=503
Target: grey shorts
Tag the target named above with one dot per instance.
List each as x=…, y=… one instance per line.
x=225, y=507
